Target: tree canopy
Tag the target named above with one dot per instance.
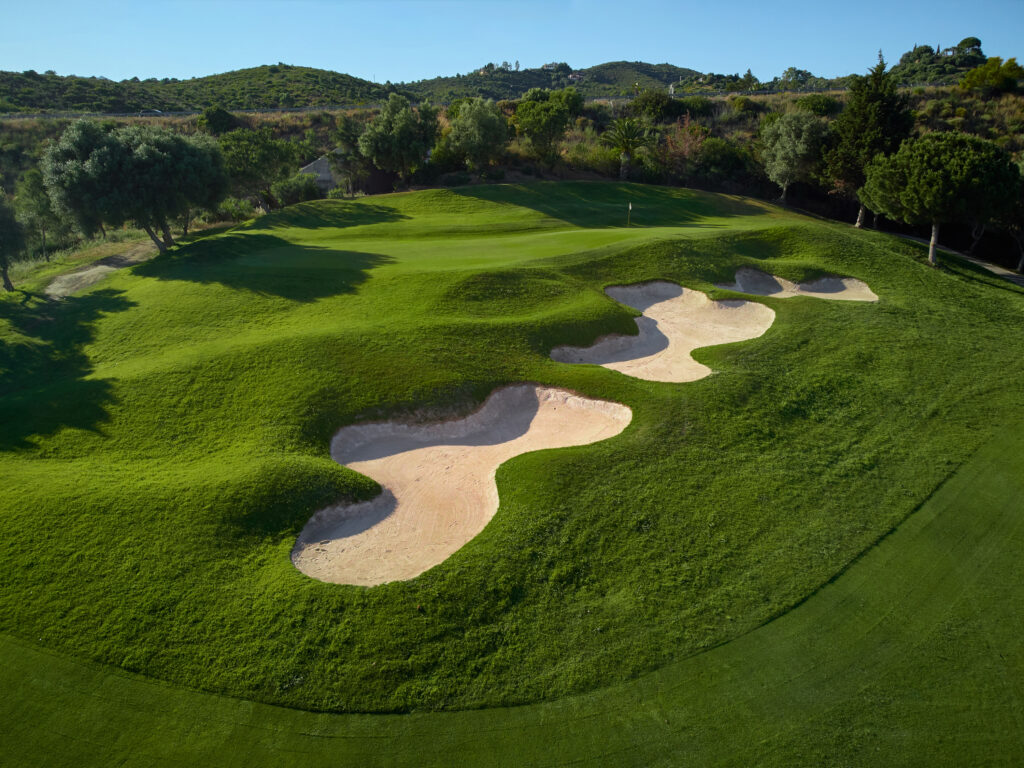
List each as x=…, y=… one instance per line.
x=792, y=148
x=543, y=123
x=875, y=121
x=626, y=135
x=941, y=178
x=478, y=133
x=255, y=161
x=134, y=173
x=399, y=138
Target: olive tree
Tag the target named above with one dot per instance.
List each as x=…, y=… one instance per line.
x=791, y=148
x=255, y=161
x=478, y=133
x=399, y=138
x=942, y=178
x=34, y=209
x=136, y=173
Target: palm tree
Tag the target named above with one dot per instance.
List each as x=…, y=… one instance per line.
x=627, y=135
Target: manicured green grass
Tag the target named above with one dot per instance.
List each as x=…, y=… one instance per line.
x=910, y=657
x=165, y=438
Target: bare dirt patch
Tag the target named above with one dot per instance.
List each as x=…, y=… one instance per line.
x=438, y=480
x=675, y=322
x=65, y=285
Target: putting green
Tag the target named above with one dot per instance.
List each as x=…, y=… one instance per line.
x=166, y=436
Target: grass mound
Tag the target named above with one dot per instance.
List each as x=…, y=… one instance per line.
x=165, y=438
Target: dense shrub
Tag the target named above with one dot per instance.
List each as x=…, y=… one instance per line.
x=819, y=104
x=298, y=189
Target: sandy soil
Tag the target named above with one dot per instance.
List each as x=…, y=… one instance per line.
x=675, y=322
x=438, y=480
x=762, y=284
x=65, y=285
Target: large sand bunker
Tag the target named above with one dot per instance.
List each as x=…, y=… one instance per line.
x=759, y=283
x=438, y=480
x=675, y=322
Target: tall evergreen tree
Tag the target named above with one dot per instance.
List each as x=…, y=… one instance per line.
x=875, y=121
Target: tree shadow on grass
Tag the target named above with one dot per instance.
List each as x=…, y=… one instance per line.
x=338, y=214
x=600, y=205
x=43, y=368
x=267, y=265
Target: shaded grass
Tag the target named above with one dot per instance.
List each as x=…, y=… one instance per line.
x=160, y=544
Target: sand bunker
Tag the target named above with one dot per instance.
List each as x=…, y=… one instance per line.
x=438, y=480
x=675, y=322
x=762, y=284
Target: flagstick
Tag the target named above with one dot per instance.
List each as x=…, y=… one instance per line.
x=629, y=214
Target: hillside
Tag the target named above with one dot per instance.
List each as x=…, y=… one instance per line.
x=263, y=87
x=615, y=79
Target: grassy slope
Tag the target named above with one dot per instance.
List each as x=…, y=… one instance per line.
x=911, y=657
x=189, y=406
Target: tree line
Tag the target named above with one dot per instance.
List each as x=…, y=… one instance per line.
x=104, y=175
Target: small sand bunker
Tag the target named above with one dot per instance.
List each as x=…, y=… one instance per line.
x=675, y=322
x=438, y=480
x=762, y=284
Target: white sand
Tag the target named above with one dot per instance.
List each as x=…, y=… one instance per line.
x=675, y=322
x=759, y=283
x=438, y=480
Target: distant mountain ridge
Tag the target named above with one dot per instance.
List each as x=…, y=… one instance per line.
x=282, y=86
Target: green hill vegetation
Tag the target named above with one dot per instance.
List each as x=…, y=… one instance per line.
x=266, y=87
x=152, y=504
x=283, y=86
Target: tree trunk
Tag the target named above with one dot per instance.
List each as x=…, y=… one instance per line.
x=874, y=221
x=186, y=220
x=624, y=166
x=785, y=189
x=977, y=232
x=8, y=285
x=168, y=240
x=45, y=254
x=933, y=243
x=1018, y=237
x=159, y=245
x=861, y=215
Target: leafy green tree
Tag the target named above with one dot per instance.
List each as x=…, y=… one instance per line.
x=994, y=77
x=478, y=133
x=34, y=209
x=942, y=178
x=399, y=138
x=347, y=162
x=791, y=148
x=136, y=173
x=255, y=161
x=543, y=123
x=627, y=135
x=12, y=241
x=80, y=171
x=875, y=121
x=569, y=98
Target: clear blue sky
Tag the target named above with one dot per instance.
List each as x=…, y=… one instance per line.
x=403, y=40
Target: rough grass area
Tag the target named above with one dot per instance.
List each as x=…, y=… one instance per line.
x=165, y=438
x=910, y=657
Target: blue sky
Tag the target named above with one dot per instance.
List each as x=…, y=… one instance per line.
x=403, y=40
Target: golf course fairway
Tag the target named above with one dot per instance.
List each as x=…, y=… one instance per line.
x=808, y=557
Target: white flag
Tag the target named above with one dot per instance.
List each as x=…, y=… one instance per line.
x=631, y=206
